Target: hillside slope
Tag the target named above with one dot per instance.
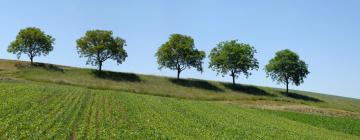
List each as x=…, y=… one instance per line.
x=169, y=87
x=58, y=102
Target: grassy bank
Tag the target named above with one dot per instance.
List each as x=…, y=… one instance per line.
x=169, y=87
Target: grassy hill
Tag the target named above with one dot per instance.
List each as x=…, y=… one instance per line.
x=58, y=102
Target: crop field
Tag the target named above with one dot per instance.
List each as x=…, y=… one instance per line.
x=49, y=111
x=58, y=102
x=346, y=125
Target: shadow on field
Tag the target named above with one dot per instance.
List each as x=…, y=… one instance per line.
x=49, y=67
x=116, y=76
x=300, y=97
x=247, y=89
x=196, y=84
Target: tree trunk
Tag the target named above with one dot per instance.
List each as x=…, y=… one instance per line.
x=99, y=61
x=178, y=74
x=100, y=65
x=31, y=60
x=233, y=78
x=287, y=86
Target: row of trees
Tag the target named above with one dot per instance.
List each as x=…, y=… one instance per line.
x=230, y=57
x=178, y=53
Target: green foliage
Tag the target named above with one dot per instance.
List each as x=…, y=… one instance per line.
x=179, y=53
x=234, y=58
x=100, y=45
x=287, y=67
x=32, y=42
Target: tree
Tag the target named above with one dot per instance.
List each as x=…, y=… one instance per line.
x=33, y=42
x=286, y=67
x=234, y=58
x=179, y=53
x=100, y=45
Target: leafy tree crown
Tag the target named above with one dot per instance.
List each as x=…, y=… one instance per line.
x=100, y=45
x=32, y=42
x=286, y=66
x=234, y=58
x=179, y=53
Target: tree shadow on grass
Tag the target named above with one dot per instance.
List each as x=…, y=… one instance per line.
x=196, y=84
x=49, y=67
x=300, y=97
x=116, y=76
x=247, y=89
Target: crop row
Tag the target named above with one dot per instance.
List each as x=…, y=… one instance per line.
x=64, y=112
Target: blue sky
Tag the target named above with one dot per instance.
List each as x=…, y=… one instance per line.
x=325, y=33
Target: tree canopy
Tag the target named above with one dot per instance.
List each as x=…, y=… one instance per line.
x=179, y=53
x=286, y=67
x=32, y=42
x=100, y=45
x=234, y=58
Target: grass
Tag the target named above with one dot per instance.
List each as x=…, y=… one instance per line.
x=58, y=102
x=48, y=111
x=169, y=87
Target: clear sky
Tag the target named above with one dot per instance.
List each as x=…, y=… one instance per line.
x=325, y=33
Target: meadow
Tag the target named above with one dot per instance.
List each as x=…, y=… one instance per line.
x=58, y=102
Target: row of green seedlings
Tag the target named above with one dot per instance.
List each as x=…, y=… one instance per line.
x=41, y=120
x=19, y=123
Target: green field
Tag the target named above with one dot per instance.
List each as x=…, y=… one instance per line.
x=56, y=102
